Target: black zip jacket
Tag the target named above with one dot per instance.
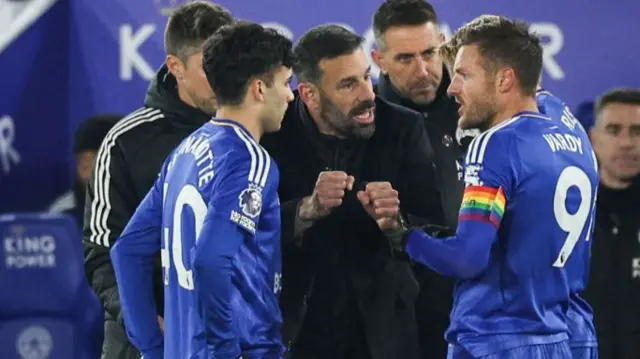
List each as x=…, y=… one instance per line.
x=440, y=118
x=345, y=294
x=127, y=165
x=441, y=121
x=614, y=282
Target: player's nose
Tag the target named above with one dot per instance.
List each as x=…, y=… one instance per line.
x=625, y=141
x=290, y=95
x=454, y=87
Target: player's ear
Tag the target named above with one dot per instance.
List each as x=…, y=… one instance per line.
x=505, y=79
x=176, y=66
x=377, y=58
x=309, y=94
x=257, y=88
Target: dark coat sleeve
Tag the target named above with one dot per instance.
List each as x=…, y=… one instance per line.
x=417, y=187
x=110, y=203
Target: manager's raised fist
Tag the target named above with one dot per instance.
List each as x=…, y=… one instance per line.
x=327, y=195
x=382, y=203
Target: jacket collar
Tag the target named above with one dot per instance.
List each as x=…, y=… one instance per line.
x=163, y=94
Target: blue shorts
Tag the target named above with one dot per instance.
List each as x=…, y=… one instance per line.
x=559, y=350
x=585, y=353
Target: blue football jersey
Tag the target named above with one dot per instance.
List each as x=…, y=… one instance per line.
x=580, y=315
x=215, y=216
x=521, y=247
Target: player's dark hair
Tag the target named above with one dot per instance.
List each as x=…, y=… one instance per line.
x=395, y=13
x=507, y=43
x=320, y=43
x=239, y=53
x=626, y=96
x=91, y=133
x=449, y=49
x=190, y=25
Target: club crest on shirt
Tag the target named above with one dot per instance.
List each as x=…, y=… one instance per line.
x=251, y=201
x=472, y=175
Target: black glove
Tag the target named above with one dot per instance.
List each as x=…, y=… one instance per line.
x=437, y=231
x=398, y=237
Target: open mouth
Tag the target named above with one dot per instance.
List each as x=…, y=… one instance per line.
x=365, y=117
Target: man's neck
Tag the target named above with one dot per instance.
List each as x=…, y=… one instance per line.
x=184, y=97
x=245, y=117
x=515, y=106
x=613, y=182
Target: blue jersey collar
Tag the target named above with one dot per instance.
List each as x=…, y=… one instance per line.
x=223, y=121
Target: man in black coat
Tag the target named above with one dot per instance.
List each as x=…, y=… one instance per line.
x=614, y=281
x=345, y=293
x=413, y=75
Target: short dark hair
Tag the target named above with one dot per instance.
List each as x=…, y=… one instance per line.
x=191, y=24
x=239, y=53
x=320, y=43
x=392, y=13
x=627, y=96
x=449, y=50
x=504, y=42
x=91, y=133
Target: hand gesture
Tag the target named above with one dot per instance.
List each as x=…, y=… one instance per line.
x=382, y=203
x=327, y=195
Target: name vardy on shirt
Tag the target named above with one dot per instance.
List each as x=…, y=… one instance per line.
x=564, y=142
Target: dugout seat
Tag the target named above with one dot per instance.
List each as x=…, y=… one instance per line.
x=47, y=308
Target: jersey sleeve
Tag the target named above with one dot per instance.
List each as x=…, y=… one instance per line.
x=233, y=214
x=132, y=257
x=238, y=191
x=490, y=175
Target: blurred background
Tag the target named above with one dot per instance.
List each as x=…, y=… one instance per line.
x=63, y=61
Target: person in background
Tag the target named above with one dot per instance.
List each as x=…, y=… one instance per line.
x=87, y=140
x=413, y=75
x=179, y=100
x=614, y=282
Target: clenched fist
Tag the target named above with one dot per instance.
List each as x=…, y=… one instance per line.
x=382, y=203
x=327, y=195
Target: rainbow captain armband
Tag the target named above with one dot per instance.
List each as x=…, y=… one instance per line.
x=482, y=203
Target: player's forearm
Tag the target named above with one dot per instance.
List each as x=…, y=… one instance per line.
x=134, y=275
x=464, y=255
x=213, y=272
